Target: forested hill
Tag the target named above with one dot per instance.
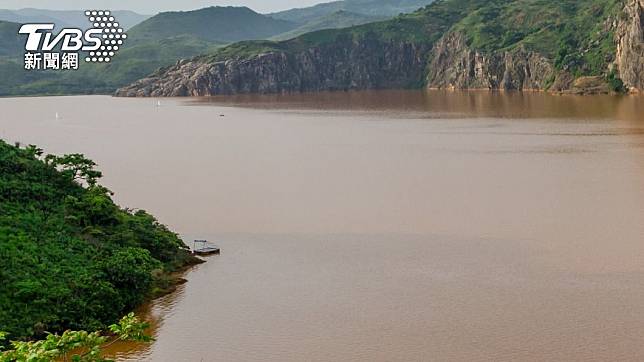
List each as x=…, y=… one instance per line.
x=215, y=24
x=369, y=8
x=10, y=43
x=578, y=46
x=70, y=257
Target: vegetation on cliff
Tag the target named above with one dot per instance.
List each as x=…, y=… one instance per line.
x=575, y=35
x=71, y=258
x=575, y=41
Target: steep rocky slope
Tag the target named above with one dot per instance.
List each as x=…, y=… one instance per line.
x=344, y=64
x=590, y=46
x=454, y=65
x=630, y=45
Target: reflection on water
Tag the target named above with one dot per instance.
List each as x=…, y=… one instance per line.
x=386, y=225
x=450, y=104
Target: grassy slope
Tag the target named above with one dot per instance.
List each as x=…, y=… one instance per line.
x=11, y=45
x=71, y=258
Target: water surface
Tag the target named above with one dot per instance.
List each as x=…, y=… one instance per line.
x=388, y=225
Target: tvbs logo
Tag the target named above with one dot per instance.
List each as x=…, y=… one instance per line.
x=98, y=44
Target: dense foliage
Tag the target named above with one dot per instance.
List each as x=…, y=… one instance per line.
x=575, y=34
x=77, y=346
x=70, y=258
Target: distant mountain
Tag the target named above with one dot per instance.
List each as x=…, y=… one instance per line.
x=10, y=43
x=12, y=73
x=335, y=20
x=162, y=40
x=213, y=24
x=373, y=8
x=66, y=18
x=304, y=15
x=15, y=17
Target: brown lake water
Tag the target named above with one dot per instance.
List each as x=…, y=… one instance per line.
x=379, y=226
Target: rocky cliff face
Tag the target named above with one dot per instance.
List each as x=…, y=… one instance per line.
x=630, y=45
x=454, y=65
x=346, y=63
x=368, y=62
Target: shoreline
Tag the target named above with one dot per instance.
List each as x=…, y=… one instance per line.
x=168, y=282
x=579, y=92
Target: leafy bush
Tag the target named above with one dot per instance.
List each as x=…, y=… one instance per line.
x=615, y=83
x=80, y=346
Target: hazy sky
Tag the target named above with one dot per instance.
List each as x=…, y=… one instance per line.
x=154, y=6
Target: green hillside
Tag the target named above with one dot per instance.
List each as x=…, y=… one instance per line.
x=213, y=24
x=572, y=33
x=371, y=8
x=71, y=258
x=424, y=27
x=336, y=20
x=302, y=16
x=158, y=42
x=66, y=18
x=132, y=62
x=11, y=45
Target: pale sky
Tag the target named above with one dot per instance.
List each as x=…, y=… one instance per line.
x=155, y=6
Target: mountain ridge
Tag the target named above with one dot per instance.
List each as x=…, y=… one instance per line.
x=66, y=18
x=152, y=44
x=336, y=20
x=215, y=23
x=462, y=44
x=370, y=8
